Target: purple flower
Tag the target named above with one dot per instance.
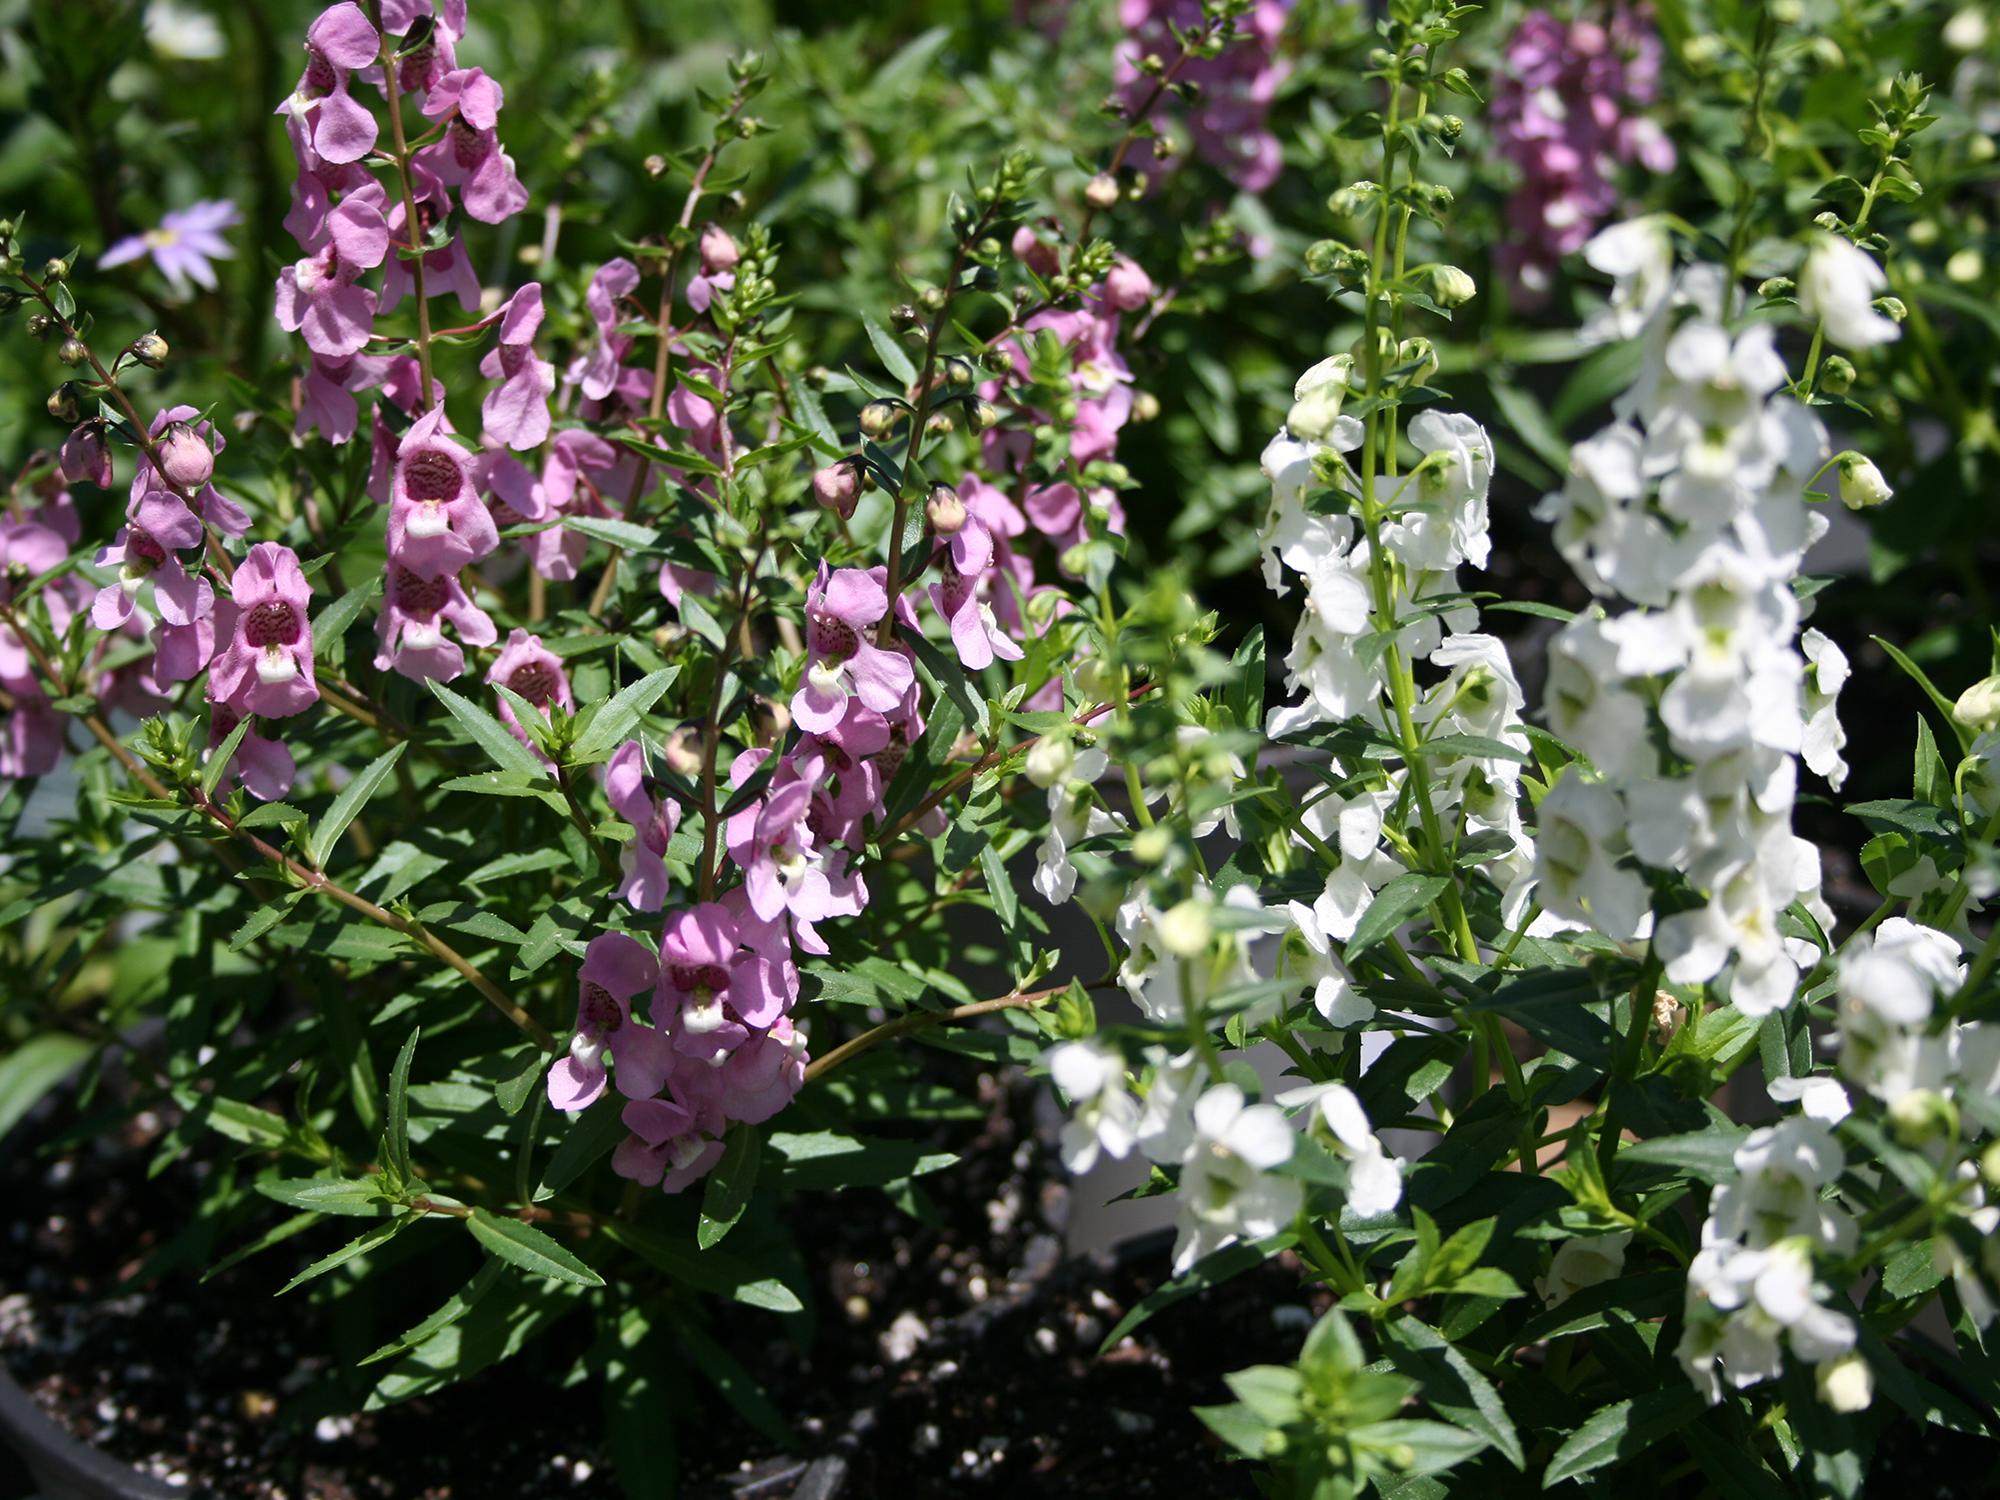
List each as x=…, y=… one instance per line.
x=664, y=1148
x=526, y=667
x=841, y=610
x=1236, y=86
x=615, y=968
x=469, y=157
x=184, y=245
x=317, y=296
x=267, y=667
x=654, y=819
x=339, y=41
x=516, y=412
x=411, y=625
x=264, y=766
x=437, y=522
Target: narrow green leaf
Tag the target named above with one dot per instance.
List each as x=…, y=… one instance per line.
x=457, y=1306
x=360, y=1198
x=1944, y=705
x=32, y=1069
x=396, y=1135
x=353, y=797
x=706, y=1270
x=1397, y=902
x=894, y=360
x=624, y=534
x=489, y=734
x=525, y=1246
x=360, y=1245
x=729, y=1185
x=1210, y=1270
x=332, y=621
x=219, y=757
x=1622, y=1431
x=617, y=718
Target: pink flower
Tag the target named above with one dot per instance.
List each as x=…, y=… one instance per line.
x=664, y=1149
x=317, y=296
x=159, y=508
x=448, y=269
x=340, y=41
x=975, y=633
x=713, y=992
x=267, y=667
x=411, y=625
x=1236, y=87
x=597, y=367
x=615, y=968
x=762, y=1076
x=841, y=609
x=141, y=556
x=437, y=522
x=469, y=157
x=1127, y=288
x=516, y=412
x=654, y=819
x=85, y=457
x=526, y=667
x=263, y=766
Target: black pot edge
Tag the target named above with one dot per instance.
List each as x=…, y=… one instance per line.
x=64, y=1468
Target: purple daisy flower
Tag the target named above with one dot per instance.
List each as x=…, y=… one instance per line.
x=184, y=244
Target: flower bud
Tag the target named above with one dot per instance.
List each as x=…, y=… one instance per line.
x=945, y=511
x=55, y=270
x=1049, y=759
x=1919, y=1115
x=1185, y=928
x=1096, y=679
x=1145, y=406
x=1978, y=707
x=1989, y=1164
x=39, y=325
x=656, y=165
x=1861, y=483
x=185, y=458
x=1101, y=191
x=837, y=487
x=1313, y=415
x=1776, y=286
x=769, y=719
x=1967, y=31
x=1892, y=308
x=1151, y=845
x=1419, y=358
x=72, y=352
x=149, y=349
x=719, y=251
x=983, y=415
x=1127, y=287
x=1845, y=1384
x=1836, y=376
x=1451, y=287
x=1032, y=251
x=1965, y=267
x=878, y=418
x=84, y=458
x=682, y=752
x=62, y=403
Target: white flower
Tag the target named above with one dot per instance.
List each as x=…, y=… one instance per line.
x=1354, y=826
x=1074, y=815
x=1820, y=1097
x=1582, y=1262
x=1577, y=844
x=1776, y=1195
x=1639, y=255
x=1227, y=1190
x=1334, y=995
x=1107, y=1117
x=1838, y=285
x=1441, y=519
x=182, y=32
x=1845, y=1384
x=1374, y=1178
x=1826, y=673
x=1861, y=484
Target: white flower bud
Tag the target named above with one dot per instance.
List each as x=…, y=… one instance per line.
x=1050, y=759
x=1845, y=1384
x=1451, y=287
x=1861, y=483
x=1185, y=929
x=1967, y=31
x=1312, y=417
x=1978, y=707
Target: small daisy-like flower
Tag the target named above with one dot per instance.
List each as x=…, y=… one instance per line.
x=183, y=245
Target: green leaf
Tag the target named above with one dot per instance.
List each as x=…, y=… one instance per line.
x=1453, y=1388
x=1397, y=902
x=457, y=1306
x=894, y=360
x=1623, y=1430
x=332, y=622
x=622, y=534
x=1550, y=1006
x=270, y=813
x=706, y=1270
x=1930, y=781
x=353, y=797
x=219, y=757
x=1944, y=704
x=729, y=1185
x=1210, y=1270
x=360, y=1198
x=615, y=720
x=515, y=1091
x=589, y=1138
x=525, y=1246
x=360, y=1245
x=32, y=1069
x=1905, y=815
x=827, y=1159
x=396, y=1135
x=1708, y=1155
x=737, y=1385
x=489, y=734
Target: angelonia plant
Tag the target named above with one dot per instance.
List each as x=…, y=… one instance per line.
x=589, y=755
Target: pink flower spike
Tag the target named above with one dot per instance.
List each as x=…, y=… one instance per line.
x=653, y=819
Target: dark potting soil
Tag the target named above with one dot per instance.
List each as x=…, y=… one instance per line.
x=951, y=1357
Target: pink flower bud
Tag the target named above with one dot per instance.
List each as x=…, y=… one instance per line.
x=185, y=458
x=945, y=511
x=1101, y=191
x=718, y=250
x=1032, y=251
x=1127, y=287
x=838, y=488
